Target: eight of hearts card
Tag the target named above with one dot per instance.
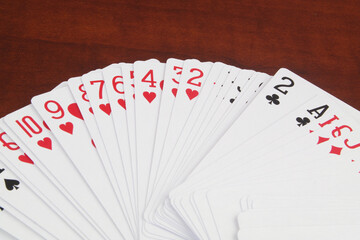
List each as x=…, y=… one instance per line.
x=181, y=150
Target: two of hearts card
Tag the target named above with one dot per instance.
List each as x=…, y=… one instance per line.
x=181, y=150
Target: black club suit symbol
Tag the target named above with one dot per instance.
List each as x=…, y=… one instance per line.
x=273, y=99
x=302, y=121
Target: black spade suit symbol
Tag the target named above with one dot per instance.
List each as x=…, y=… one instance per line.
x=11, y=184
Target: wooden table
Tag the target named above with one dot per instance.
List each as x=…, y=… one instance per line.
x=45, y=42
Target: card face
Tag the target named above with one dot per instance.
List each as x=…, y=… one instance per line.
x=14, y=192
x=308, y=119
x=114, y=84
x=35, y=135
x=192, y=80
x=16, y=160
x=283, y=84
x=180, y=150
x=72, y=134
x=148, y=76
x=16, y=221
x=12, y=151
x=169, y=88
x=203, y=132
x=225, y=115
x=316, y=189
x=194, y=121
x=254, y=82
x=85, y=110
x=293, y=136
x=202, y=111
x=317, y=118
x=193, y=111
x=95, y=87
x=7, y=236
x=127, y=71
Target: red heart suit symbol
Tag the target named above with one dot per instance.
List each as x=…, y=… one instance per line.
x=45, y=143
x=67, y=127
x=122, y=103
x=75, y=111
x=191, y=93
x=174, y=91
x=162, y=84
x=46, y=126
x=105, y=108
x=149, y=96
x=25, y=158
x=92, y=142
x=91, y=110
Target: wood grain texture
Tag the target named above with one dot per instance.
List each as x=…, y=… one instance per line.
x=45, y=42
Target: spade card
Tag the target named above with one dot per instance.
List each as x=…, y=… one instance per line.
x=185, y=149
x=42, y=145
x=21, y=164
x=13, y=192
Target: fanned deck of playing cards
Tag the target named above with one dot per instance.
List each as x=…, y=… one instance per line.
x=181, y=150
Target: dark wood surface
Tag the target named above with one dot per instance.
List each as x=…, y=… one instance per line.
x=45, y=42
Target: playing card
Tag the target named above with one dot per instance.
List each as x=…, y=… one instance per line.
x=191, y=81
x=169, y=88
x=127, y=71
x=24, y=167
x=211, y=131
x=201, y=113
x=72, y=134
x=317, y=112
x=114, y=84
x=13, y=228
x=13, y=192
x=42, y=145
x=6, y=236
x=94, y=85
x=147, y=78
x=181, y=150
x=85, y=111
x=186, y=109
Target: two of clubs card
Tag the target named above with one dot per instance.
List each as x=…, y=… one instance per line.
x=181, y=150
